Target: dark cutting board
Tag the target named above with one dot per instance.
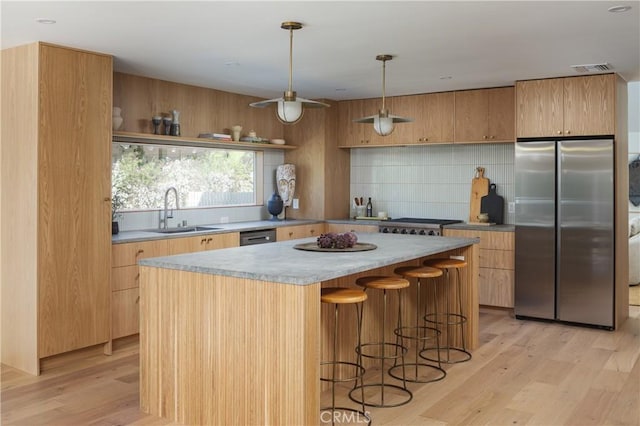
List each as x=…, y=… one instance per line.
x=493, y=204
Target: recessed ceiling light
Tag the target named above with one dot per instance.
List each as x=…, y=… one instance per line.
x=617, y=9
x=46, y=21
x=340, y=89
x=446, y=77
x=232, y=63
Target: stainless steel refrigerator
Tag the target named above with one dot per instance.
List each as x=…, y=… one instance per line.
x=564, y=254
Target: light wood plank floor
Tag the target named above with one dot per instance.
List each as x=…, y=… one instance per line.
x=525, y=372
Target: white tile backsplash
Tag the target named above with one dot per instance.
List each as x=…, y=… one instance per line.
x=430, y=181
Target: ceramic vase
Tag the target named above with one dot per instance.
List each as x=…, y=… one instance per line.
x=235, y=131
x=275, y=206
x=116, y=118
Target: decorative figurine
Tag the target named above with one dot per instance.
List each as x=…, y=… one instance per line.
x=286, y=180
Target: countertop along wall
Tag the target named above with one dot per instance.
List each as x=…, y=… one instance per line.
x=430, y=181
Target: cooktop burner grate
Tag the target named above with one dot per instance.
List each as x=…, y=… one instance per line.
x=424, y=221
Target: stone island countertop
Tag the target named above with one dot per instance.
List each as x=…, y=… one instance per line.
x=280, y=262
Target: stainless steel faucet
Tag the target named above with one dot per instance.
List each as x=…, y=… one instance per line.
x=164, y=223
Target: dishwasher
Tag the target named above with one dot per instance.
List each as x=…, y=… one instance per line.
x=261, y=236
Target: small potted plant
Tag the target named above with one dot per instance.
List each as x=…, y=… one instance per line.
x=116, y=206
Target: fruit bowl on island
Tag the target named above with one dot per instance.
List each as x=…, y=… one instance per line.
x=335, y=242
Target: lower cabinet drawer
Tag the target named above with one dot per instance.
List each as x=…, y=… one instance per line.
x=125, y=312
x=498, y=259
x=495, y=287
x=124, y=277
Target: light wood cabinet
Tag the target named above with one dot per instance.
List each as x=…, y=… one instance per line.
x=204, y=242
x=469, y=116
x=56, y=174
x=285, y=233
x=496, y=265
x=433, y=115
x=571, y=106
x=485, y=115
x=125, y=312
x=127, y=254
x=357, y=135
x=125, y=275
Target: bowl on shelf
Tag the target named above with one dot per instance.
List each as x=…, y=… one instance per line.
x=277, y=141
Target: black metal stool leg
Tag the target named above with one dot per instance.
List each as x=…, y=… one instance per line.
x=335, y=364
x=382, y=344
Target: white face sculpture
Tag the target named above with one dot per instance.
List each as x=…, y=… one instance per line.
x=286, y=179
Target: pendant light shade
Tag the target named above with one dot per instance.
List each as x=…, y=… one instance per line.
x=290, y=106
x=383, y=122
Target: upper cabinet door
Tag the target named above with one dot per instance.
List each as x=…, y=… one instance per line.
x=434, y=118
x=589, y=105
x=472, y=114
x=539, y=105
x=502, y=110
x=349, y=133
x=408, y=107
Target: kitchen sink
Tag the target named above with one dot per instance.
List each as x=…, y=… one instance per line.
x=185, y=229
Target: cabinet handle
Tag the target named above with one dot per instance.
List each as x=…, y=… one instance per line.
x=107, y=198
x=139, y=252
x=485, y=137
x=209, y=240
x=568, y=132
x=493, y=137
x=559, y=132
x=313, y=231
x=290, y=234
x=202, y=241
x=138, y=299
x=137, y=276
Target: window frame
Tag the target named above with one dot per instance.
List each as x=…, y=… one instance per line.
x=258, y=168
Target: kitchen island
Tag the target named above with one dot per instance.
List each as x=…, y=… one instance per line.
x=236, y=336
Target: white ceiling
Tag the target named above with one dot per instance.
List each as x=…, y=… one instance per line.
x=238, y=46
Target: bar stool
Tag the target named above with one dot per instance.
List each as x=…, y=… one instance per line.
x=383, y=283
x=448, y=319
x=341, y=296
x=421, y=334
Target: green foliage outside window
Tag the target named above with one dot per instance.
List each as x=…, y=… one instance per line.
x=204, y=177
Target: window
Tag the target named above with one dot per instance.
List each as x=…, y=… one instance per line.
x=203, y=177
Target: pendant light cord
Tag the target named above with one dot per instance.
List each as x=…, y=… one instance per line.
x=384, y=64
x=290, y=59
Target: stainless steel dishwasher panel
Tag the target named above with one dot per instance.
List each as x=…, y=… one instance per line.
x=262, y=236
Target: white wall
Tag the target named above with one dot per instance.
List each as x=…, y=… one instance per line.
x=430, y=181
x=148, y=220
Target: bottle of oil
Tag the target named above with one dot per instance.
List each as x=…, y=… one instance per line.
x=369, y=208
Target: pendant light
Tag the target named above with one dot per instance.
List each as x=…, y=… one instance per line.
x=290, y=106
x=383, y=122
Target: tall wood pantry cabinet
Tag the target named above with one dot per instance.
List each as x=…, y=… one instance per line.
x=56, y=188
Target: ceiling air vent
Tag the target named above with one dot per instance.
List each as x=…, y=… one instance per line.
x=592, y=67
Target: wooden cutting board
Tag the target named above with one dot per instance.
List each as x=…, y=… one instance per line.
x=479, y=188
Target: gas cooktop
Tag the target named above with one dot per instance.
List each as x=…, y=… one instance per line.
x=424, y=221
